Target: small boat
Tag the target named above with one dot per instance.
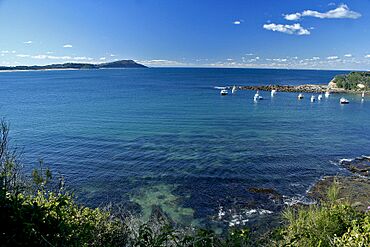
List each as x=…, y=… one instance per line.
x=344, y=100
x=257, y=96
x=233, y=90
x=363, y=95
x=300, y=96
x=224, y=92
x=313, y=98
x=319, y=97
x=327, y=93
x=273, y=92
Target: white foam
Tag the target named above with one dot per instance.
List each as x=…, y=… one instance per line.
x=290, y=201
x=345, y=160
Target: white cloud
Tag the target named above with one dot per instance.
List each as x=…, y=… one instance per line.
x=332, y=57
x=28, y=42
x=67, y=46
x=348, y=55
x=292, y=17
x=237, y=22
x=52, y=57
x=102, y=58
x=367, y=56
x=341, y=12
x=283, y=60
x=288, y=29
x=112, y=55
x=40, y=56
x=162, y=62
x=22, y=55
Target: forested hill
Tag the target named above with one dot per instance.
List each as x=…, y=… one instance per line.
x=116, y=64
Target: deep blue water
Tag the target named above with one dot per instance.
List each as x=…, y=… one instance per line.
x=165, y=136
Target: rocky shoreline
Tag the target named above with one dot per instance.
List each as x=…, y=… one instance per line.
x=305, y=88
x=354, y=189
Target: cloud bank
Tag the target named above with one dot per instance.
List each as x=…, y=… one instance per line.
x=296, y=28
x=341, y=12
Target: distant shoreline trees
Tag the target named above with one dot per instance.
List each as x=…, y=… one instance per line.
x=352, y=81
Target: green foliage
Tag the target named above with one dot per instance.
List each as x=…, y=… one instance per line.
x=55, y=219
x=332, y=223
x=357, y=235
x=168, y=236
x=351, y=80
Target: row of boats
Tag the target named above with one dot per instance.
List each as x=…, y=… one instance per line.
x=319, y=97
x=257, y=96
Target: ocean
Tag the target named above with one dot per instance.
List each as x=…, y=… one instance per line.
x=142, y=138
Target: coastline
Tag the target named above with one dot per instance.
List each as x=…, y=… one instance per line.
x=304, y=88
x=28, y=70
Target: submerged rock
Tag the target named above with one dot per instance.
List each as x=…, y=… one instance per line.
x=159, y=217
x=355, y=190
x=272, y=193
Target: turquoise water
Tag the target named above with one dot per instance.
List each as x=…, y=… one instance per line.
x=144, y=137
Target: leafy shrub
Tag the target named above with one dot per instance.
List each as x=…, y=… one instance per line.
x=333, y=223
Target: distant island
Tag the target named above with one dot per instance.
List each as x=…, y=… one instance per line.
x=115, y=64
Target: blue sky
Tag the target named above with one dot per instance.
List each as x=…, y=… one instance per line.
x=315, y=34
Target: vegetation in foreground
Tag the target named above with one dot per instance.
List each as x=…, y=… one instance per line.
x=352, y=80
x=39, y=212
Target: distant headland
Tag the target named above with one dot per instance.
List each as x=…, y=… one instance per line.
x=115, y=64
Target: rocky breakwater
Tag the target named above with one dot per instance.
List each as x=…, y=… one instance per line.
x=306, y=88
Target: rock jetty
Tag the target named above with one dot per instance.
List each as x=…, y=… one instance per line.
x=306, y=88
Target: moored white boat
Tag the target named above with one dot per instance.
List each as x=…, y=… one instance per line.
x=319, y=97
x=233, y=90
x=224, y=92
x=344, y=100
x=327, y=94
x=257, y=96
x=273, y=92
x=300, y=96
x=363, y=95
x=313, y=98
